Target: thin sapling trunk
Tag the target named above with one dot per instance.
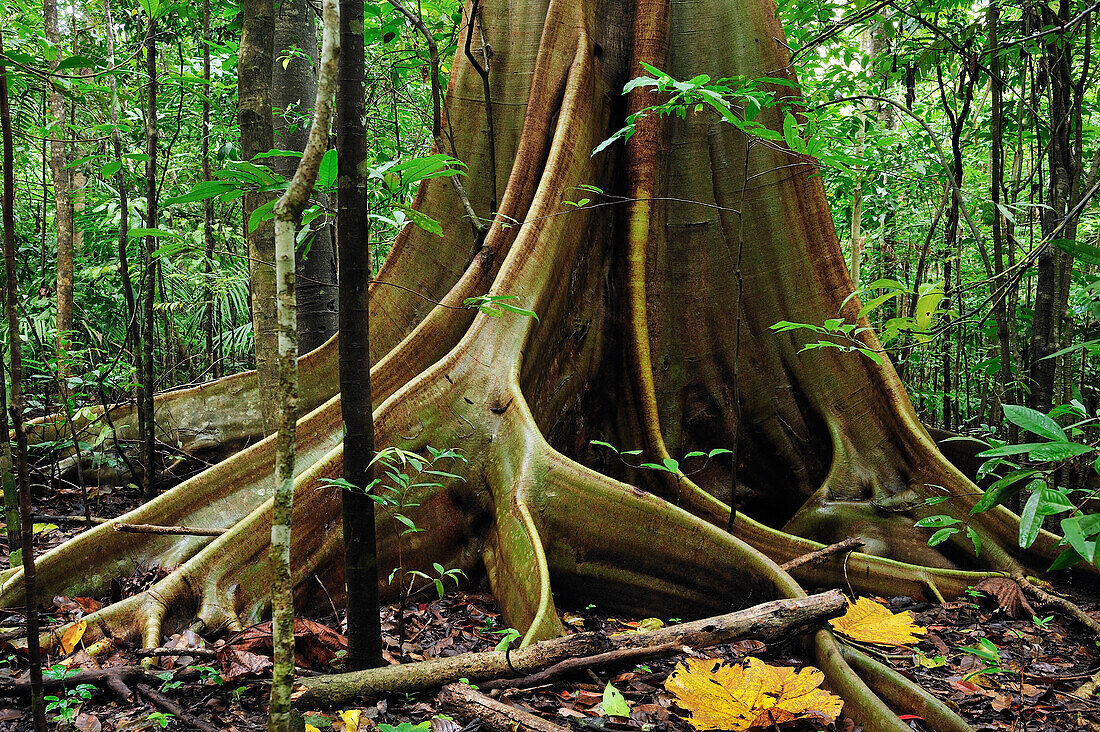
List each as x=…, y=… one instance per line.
x=288, y=209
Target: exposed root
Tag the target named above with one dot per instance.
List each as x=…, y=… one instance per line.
x=903, y=695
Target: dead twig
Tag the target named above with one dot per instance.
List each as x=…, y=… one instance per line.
x=468, y=704
x=164, y=703
x=170, y=530
x=850, y=544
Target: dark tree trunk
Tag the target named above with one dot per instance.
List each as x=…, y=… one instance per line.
x=148, y=382
x=21, y=476
x=353, y=238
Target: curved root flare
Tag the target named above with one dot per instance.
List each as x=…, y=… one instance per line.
x=654, y=303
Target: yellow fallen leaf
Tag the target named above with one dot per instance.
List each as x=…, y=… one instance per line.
x=351, y=720
x=311, y=728
x=870, y=622
x=754, y=694
x=72, y=636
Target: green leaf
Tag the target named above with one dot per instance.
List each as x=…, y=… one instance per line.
x=941, y=536
x=1002, y=489
x=203, y=190
x=975, y=539
x=1086, y=253
x=517, y=310
x=78, y=62
x=138, y=233
x=601, y=443
x=264, y=212
x=934, y=522
x=422, y=221
x=110, y=168
x=327, y=172
x=614, y=704
x=1058, y=451
x=1068, y=558
x=1034, y=422
x=1078, y=530
x=671, y=465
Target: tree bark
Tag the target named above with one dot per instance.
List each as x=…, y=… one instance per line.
x=294, y=86
x=20, y=477
x=254, y=69
x=353, y=239
x=62, y=189
x=288, y=210
x=148, y=380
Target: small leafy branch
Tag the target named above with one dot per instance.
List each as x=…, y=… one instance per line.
x=397, y=179
x=738, y=101
x=496, y=305
x=667, y=465
x=404, y=475
x=1034, y=467
x=845, y=336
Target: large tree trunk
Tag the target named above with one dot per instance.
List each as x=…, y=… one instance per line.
x=635, y=344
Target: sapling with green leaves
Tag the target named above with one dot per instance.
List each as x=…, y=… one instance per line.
x=1034, y=468
x=402, y=474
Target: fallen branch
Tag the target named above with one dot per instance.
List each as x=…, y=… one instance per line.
x=850, y=544
x=169, y=530
x=468, y=704
x=56, y=519
x=163, y=652
x=165, y=704
x=116, y=678
x=771, y=620
x=623, y=655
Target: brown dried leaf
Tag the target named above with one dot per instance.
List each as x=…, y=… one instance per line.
x=869, y=622
x=751, y=695
x=1008, y=594
x=87, y=723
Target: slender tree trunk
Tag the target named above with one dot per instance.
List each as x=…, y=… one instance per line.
x=149, y=456
x=1001, y=303
x=7, y=466
x=133, y=328
x=254, y=61
x=294, y=86
x=1051, y=289
x=353, y=240
x=63, y=206
x=26, y=510
x=288, y=210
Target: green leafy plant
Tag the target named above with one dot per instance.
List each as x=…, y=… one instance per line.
x=1033, y=467
x=404, y=474
x=160, y=719
x=738, y=101
x=986, y=652
x=65, y=708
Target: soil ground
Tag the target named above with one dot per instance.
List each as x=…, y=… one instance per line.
x=1042, y=660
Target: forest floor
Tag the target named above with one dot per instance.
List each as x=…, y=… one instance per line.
x=222, y=681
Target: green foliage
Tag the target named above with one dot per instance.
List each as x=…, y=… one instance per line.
x=1035, y=468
